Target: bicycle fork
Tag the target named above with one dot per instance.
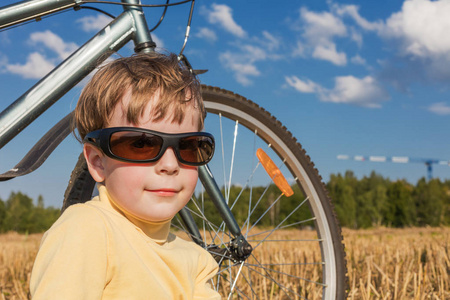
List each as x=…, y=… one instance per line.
x=238, y=249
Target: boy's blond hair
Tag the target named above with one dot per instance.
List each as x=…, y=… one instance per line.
x=143, y=75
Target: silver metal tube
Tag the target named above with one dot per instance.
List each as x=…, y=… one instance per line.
x=142, y=31
x=210, y=185
x=49, y=89
x=26, y=10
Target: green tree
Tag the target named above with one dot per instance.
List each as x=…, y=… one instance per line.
x=2, y=216
x=19, y=209
x=341, y=190
x=446, y=209
x=19, y=214
x=400, y=209
x=371, y=199
x=42, y=218
x=429, y=199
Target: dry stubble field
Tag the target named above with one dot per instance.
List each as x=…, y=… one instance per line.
x=383, y=263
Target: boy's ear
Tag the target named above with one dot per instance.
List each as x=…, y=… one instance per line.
x=94, y=159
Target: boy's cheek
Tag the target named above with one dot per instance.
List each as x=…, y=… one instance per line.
x=192, y=176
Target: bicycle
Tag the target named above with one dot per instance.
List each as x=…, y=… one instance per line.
x=241, y=249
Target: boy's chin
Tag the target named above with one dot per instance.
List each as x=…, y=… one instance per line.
x=159, y=218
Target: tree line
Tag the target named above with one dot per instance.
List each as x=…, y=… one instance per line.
x=19, y=213
x=359, y=203
x=374, y=201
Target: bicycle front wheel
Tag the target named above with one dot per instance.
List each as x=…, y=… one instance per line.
x=298, y=251
x=297, y=242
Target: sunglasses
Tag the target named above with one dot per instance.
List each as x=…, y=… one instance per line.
x=137, y=145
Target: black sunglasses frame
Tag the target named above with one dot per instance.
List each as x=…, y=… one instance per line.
x=101, y=139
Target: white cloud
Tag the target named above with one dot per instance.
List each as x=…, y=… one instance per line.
x=302, y=86
x=222, y=15
x=321, y=30
x=94, y=23
x=440, y=108
x=258, y=53
x=356, y=36
x=159, y=42
x=207, y=34
x=321, y=27
x=39, y=64
x=419, y=34
x=422, y=26
x=352, y=90
x=243, y=56
x=358, y=60
x=243, y=60
x=36, y=67
x=329, y=53
x=364, y=92
x=240, y=65
x=352, y=11
x=317, y=38
x=270, y=41
x=299, y=50
x=53, y=42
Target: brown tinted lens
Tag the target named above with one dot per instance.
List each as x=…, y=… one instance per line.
x=135, y=145
x=196, y=149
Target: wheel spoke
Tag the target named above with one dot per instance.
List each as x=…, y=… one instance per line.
x=223, y=153
x=232, y=160
x=235, y=280
x=247, y=183
x=269, y=276
x=290, y=275
x=217, y=232
x=284, y=227
x=272, y=231
x=239, y=195
x=251, y=184
x=267, y=210
x=290, y=264
x=247, y=221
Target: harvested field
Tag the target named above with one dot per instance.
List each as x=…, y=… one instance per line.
x=383, y=263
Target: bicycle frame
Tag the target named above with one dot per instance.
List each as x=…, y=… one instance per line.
x=130, y=25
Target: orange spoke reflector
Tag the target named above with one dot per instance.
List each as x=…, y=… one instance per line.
x=274, y=173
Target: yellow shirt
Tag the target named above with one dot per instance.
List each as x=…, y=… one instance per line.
x=96, y=251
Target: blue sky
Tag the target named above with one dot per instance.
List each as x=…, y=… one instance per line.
x=345, y=77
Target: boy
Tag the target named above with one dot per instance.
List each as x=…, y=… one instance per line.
x=139, y=118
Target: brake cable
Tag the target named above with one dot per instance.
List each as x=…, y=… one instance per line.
x=131, y=4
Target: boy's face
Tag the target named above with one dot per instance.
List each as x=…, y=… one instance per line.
x=151, y=191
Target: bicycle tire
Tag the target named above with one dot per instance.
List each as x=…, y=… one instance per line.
x=81, y=184
x=323, y=263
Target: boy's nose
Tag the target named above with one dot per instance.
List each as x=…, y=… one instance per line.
x=168, y=163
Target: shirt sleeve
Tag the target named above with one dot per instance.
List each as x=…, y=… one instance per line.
x=207, y=269
x=72, y=259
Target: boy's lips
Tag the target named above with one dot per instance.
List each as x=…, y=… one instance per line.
x=164, y=192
